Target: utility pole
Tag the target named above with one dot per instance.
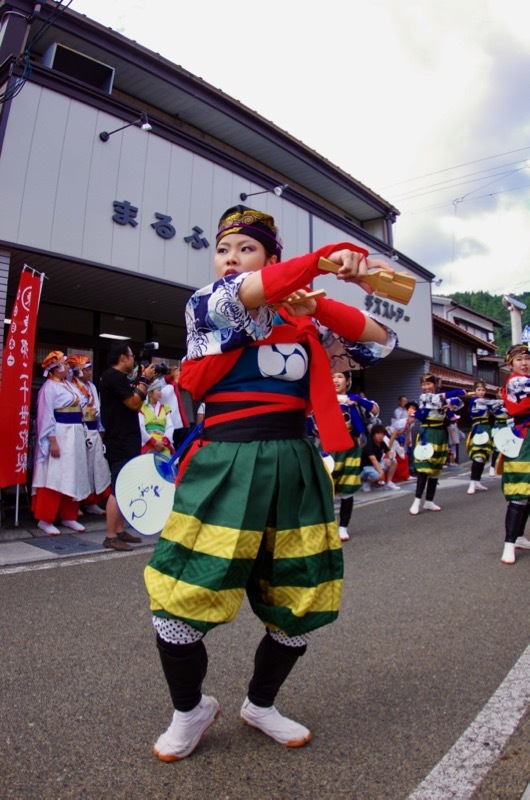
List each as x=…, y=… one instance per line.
x=516, y=308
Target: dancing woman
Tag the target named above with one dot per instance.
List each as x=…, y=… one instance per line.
x=432, y=447
x=253, y=508
x=97, y=464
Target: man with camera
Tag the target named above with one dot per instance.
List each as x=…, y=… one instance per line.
x=121, y=400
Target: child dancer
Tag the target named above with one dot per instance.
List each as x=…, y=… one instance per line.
x=479, y=442
x=430, y=453
x=347, y=469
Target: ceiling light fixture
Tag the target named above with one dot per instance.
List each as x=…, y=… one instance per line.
x=114, y=336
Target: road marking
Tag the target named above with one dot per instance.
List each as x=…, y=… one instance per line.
x=69, y=561
x=461, y=771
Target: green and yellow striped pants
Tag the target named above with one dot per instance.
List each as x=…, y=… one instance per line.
x=254, y=518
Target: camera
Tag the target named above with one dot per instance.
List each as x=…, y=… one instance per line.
x=146, y=357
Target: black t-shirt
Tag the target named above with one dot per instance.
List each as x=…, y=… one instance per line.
x=122, y=427
x=373, y=449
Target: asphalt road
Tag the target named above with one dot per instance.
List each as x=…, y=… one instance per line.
x=431, y=624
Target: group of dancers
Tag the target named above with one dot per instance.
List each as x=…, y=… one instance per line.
x=70, y=470
x=498, y=432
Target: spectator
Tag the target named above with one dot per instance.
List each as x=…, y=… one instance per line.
x=411, y=407
x=377, y=464
x=60, y=475
x=172, y=396
x=453, y=440
x=120, y=403
x=400, y=412
x=97, y=464
x=402, y=443
x=156, y=422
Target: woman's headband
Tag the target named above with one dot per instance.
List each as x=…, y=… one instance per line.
x=255, y=224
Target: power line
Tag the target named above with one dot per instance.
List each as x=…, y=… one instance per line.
x=457, y=166
x=490, y=194
x=445, y=184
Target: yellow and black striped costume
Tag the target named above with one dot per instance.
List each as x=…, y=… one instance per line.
x=432, y=415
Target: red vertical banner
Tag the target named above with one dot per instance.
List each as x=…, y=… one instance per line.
x=17, y=374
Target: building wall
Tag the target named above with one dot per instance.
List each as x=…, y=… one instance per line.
x=59, y=182
x=393, y=378
x=62, y=181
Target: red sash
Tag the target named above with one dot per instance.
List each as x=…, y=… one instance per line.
x=198, y=376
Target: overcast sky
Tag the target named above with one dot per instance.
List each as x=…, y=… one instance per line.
x=426, y=102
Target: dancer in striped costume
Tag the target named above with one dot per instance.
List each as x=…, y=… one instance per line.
x=430, y=453
x=516, y=467
x=479, y=444
x=253, y=509
x=500, y=420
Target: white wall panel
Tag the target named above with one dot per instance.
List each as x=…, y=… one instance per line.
x=43, y=167
x=17, y=144
x=202, y=213
x=154, y=193
x=70, y=211
x=131, y=146
x=101, y=191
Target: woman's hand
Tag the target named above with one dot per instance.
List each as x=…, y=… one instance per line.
x=353, y=266
x=297, y=306
x=55, y=450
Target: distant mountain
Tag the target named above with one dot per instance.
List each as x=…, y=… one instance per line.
x=491, y=306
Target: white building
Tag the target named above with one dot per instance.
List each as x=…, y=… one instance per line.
x=123, y=225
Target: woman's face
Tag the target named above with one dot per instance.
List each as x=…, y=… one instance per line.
x=521, y=364
x=428, y=387
x=237, y=253
x=155, y=395
x=340, y=383
x=59, y=372
x=480, y=391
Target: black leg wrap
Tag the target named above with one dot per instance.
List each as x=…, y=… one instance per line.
x=346, y=508
x=477, y=468
x=515, y=521
x=184, y=667
x=420, y=484
x=272, y=664
x=432, y=483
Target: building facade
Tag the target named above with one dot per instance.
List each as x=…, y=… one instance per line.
x=122, y=219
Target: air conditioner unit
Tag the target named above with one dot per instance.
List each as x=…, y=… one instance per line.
x=79, y=66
